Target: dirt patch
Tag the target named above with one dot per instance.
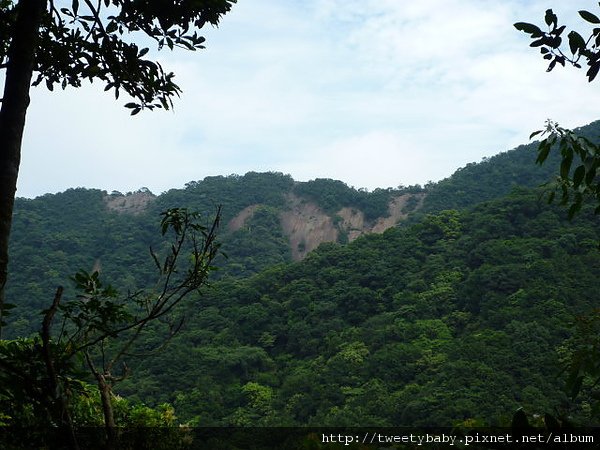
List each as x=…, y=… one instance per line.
x=134, y=203
x=353, y=222
x=238, y=221
x=395, y=213
x=307, y=226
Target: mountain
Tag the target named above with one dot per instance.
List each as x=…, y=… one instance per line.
x=461, y=318
x=266, y=219
x=449, y=303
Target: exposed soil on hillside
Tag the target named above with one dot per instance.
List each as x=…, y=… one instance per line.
x=308, y=226
x=134, y=203
x=353, y=222
x=395, y=212
x=238, y=221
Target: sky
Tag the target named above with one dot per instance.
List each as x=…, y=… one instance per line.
x=374, y=93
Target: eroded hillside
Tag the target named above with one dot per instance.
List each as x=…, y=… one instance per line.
x=307, y=225
x=132, y=203
x=305, y=219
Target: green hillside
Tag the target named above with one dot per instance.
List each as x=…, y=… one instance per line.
x=461, y=316
x=56, y=235
x=324, y=311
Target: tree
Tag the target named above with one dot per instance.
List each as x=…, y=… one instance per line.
x=574, y=183
x=102, y=328
x=86, y=40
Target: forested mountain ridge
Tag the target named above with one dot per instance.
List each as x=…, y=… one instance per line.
x=268, y=218
x=497, y=176
x=346, y=214
x=462, y=317
x=463, y=314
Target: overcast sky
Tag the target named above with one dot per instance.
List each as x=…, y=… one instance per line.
x=374, y=93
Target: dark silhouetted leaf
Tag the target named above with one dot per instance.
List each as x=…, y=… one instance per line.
x=551, y=423
x=565, y=166
x=589, y=17
x=576, y=42
x=578, y=176
x=539, y=42
x=543, y=151
x=593, y=71
x=519, y=420
x=550, y=18
x=535, y=133
x=575, y=207
x=529, y=29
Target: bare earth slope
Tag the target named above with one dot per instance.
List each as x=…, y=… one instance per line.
x=304, y=223
x=134, y=203
x=308, y=226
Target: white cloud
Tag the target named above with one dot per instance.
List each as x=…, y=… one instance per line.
x=376, y=93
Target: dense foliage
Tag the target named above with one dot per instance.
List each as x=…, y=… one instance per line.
x=332, y=195
x=55, y=235
x=461, y=317
x=67, y=43
x=42, y=382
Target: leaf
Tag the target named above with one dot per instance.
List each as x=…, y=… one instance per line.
x=111, y=27
x=576, y=42
x=519, y=420
x=550, y=18
x=543, y=151
x=75, y=6
x=565, y=166
x=591, y=174
x=551, y=423
x=589, y=17
x=559, y=31
x=575, y=207
x=538, y=43
x=593, y=71
x=578, y=176
x=535, y=133
x=529, y=28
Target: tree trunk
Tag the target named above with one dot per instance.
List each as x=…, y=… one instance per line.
x=107, y=410
x=58, y=406
x=21, y=60
x=103, y=380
